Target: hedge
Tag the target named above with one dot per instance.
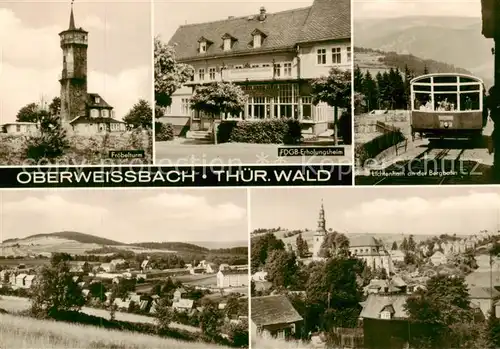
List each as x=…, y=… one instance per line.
x=377, y=145
x=281, y=131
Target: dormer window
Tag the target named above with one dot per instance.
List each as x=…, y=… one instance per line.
x=258, y=38
x=97, y=100
x=227, y=43
x=203, y=45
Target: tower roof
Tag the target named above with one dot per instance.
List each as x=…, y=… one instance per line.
x=71, y=19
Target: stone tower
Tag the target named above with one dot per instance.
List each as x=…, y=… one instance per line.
x=320, y=233
x=74, y=72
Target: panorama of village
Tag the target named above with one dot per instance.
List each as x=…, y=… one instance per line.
x=319, y=287
x=68, y=289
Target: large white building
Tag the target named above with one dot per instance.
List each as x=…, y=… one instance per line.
x=369, y=250
x=272, y=56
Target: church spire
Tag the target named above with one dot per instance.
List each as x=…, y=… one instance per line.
x=321, y=219
x=72, y=18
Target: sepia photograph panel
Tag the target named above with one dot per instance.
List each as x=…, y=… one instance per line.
x=76, y=83
x=385, y=268
x=124, y=269
x=423, y=78
x=250, y=82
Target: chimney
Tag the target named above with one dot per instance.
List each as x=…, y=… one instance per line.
x=262, y=15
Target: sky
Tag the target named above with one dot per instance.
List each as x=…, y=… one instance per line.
x=214, y=215
x=392, y=210
x=119, y=52
x=169, y=15
x=402, y=8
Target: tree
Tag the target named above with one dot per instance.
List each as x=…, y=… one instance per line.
x=55, y=106
x=261, y=247
x=163, y=314
x=52, y=141
x=282, y=268
x=54, y=291
x=238, y=334
x=140, y=115
x=444, y=304
x=219, y=98
x=211, y=321
x=404, y=245
x=333, y=244
x=302, y=247
x=493, y=330
x=334, y=291
x=28, y=113
x=169, y=74
x=334, y=90
x=394, y=246
x=370, y=90
x=411, y=244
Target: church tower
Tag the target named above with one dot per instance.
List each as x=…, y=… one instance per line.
x=320, y=233
x=74, y=72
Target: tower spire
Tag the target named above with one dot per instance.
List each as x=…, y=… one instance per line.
x=72, y=18
x=321, y=219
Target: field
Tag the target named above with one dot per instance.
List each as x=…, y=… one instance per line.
x=84, y=150
x=17, y=304
x=370, y=61
x=26, y=333
x=364, y=124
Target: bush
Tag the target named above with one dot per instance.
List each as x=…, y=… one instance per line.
x=50, y=143
x=163, y=132
x=282, y=131
x=345, y=127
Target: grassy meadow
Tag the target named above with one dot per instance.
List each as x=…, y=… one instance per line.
x=26, y=333
x=271, y=343
x=84, y=150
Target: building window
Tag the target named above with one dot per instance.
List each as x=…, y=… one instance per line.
x=255, y=66
x=168, y=110
x=259, y=107
x=211, y=73
x=238, y=67
x=94, y=113
x=105, y=113
x=266, y=65
x=321, y=55
x=307, y=111
x=277, y=70
x=288, y=69
x=185, y=106
x=286, y=102
x=97, y=100
x=257, y=41
x=203, y=47
x=18, y=128
x=348, y=53
x=227, y=44
x=336, y=55
x=201, y=74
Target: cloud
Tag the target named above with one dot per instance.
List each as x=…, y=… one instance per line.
x=32, y=61
x=94, y=22
x=400, y=8
x=195, y=209
x=52, y=213
x=459, y=214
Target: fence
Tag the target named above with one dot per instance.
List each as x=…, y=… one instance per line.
x=391, y=137
x=344, y=338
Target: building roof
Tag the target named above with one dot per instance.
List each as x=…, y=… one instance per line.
x=96, y=101
x=327, y=20
x=363, y=241
x=282, y=31
x=483, y=292
x=376, y=303
x=184, y=303
x=438, y=254
x=269, y=310
x=88, y=120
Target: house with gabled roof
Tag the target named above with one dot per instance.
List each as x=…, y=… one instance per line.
x=274, y=316
x=273, y=57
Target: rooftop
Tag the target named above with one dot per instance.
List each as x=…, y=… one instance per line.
x=271, y=310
